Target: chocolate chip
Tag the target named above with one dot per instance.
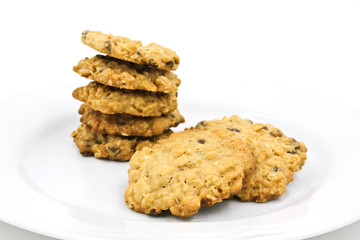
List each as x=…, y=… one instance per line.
x=201, y=141
x=265, y=128
x=251, y=122
x=202, y=123
x=205, y=202
x=275, y=169
x=107, y=46
x=297, y=147
x=114, y=150
x=233, y=129
x=170, y=64
x=101, y=70
x=153, y=212
x=87, y=153
x=84, y=34
x=138, y=53
x=291, y=152
x=276, y=133
x=152, y=63
x=133, y=147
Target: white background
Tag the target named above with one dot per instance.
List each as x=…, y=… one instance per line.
x=226, y=48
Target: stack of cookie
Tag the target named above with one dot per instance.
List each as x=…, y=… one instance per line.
x=132, y=101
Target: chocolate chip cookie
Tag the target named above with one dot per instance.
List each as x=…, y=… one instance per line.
x=128, y=125
x=277, y=156
x=186, y=171
x=126, y=75
x=112, y=147
x=153, y=55
x=110, y=100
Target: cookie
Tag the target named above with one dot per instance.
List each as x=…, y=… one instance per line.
x=112, y=147
x=277, y=156
x=128, y=125
x=126, y=75
x=126, y=49
x=112, y=100
x=188, y=170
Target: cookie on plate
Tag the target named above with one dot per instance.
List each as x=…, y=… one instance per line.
x=112, y=100
x=126, y=75
x=112, y=147
x=277, y=156
x=126, y=49
x=128, y=125
x=186, y=171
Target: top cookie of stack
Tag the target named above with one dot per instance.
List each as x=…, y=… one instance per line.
x=152, y=55
x=133, y=96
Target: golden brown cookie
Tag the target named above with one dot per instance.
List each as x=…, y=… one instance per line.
x=112, y=100
x=112, y=147
x=186, y=171
x=128, y=125
x=126, y=75
x=123, y=48
x=277, y=156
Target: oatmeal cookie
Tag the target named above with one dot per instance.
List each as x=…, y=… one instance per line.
x=277, y=156
x=188, y=170
x=112, y=147
x=126, y=75
x=128, y=125
x=126, y=49
x=112, y=100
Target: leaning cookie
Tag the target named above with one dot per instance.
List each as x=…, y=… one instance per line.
x=112, y=147
x=188, y=170
x=112, y=100
x=126, y=75
x=126, y=49
x=128, y=125
x=277, y=156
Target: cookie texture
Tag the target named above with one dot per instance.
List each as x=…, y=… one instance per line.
x=128, y=125
x=186, y=171
x=112, y=147
x=126, y=49
x=112, y=100
x=126, y=75
x=277, y=156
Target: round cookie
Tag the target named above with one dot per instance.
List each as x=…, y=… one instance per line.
x=126, y=75
x=110, y=100
x=126, y=49
x=112, y=147
x=277, y=156
x=186, y=171
x=128, y=125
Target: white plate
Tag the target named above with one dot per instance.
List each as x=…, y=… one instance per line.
x=49, y=188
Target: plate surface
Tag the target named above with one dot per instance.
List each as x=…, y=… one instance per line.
x=49, y=188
